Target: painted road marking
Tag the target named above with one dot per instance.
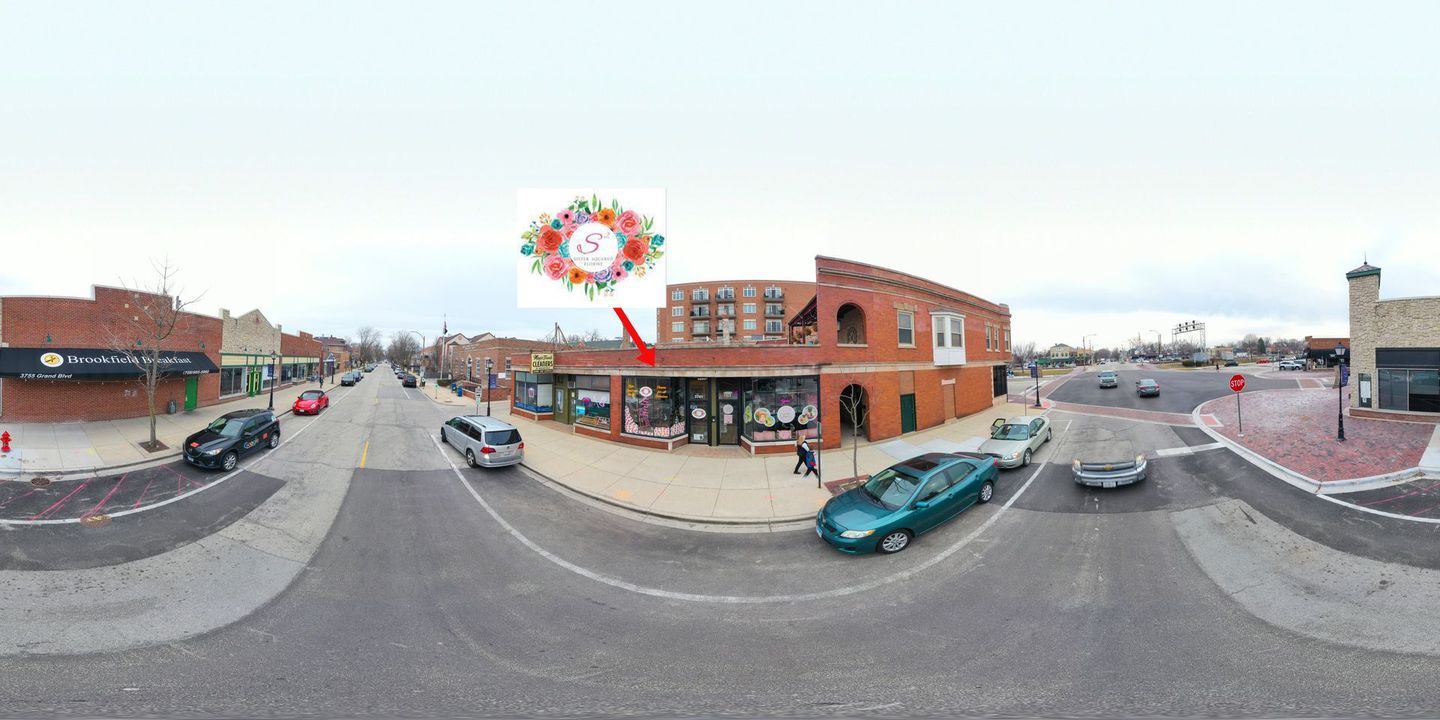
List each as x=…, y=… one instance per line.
x=739, y=599
x=1190, y=450
x=138, y=509
x=364, y=453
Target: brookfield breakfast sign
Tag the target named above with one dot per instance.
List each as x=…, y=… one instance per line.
x=95, y=364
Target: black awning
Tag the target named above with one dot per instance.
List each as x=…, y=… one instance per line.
x=807, y=315
x=93, y=364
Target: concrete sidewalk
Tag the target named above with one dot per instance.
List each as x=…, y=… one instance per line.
x=717, y=485
x=80, y=449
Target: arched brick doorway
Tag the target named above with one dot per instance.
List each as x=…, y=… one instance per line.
x=854, y=407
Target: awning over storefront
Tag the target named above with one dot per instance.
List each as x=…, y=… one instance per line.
x=807, y=315
x=93, y=364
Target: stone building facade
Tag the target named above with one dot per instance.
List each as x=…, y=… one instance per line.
x=1395, y=353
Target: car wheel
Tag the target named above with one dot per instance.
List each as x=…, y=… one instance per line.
x=470, y=458
x=1025, y=462
x=1049, y=434
x=444, y=439
x=228, y=462
x=893, y=542
x=987, y=491
x=274, y=440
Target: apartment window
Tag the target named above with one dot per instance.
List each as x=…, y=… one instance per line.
x=677, y=311
x=677, y=326
x=949, y=331
x=700, y=311
x=700, y=295
x=1007, y=339
x=726, y=309
x=749, y=307
x=774, y=310
x=773, y=326
x=989, y=335
x=749, y=292
x=701, y=327
x=725, y=293
x=774, y=293
x=677, y=294
x=749, y=323
x=905, y=320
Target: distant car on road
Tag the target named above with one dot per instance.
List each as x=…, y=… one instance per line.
x=1289, y=365
x=1108, y=379
x=904, y=500
x=1104, y=458
x=484, y=441
x=231, y=435
x=1231, y=363
x=1147, y=388
x=1013, y=441
x=347, y=379
x=408, y=381
x=310, y=402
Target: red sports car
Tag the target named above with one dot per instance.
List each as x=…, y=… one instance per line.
x=311, y=402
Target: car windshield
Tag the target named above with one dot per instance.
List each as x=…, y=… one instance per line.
x=311, y=395
x=1010, y=431
x=1107, y=375
x=229, y=427
x=1147, y=383
x=890, y=487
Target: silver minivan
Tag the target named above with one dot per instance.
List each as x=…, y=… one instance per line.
x=484, y=441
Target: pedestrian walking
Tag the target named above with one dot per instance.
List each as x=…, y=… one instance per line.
x=811, y=464
x=802, y=453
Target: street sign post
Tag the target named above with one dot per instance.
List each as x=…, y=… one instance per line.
x=1237, y=383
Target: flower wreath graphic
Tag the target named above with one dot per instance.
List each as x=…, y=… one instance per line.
x=592, y=246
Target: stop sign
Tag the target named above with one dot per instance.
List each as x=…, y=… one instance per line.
x=1237, y=382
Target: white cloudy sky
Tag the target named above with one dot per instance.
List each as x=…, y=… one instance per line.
x=1105, y=168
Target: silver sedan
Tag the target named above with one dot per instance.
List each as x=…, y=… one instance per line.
x=1012, y=442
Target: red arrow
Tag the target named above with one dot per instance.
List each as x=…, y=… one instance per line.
x=647, y=354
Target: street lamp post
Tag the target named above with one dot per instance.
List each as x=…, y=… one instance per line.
x=274, y=377
x=1340, y=391
x=489, y=394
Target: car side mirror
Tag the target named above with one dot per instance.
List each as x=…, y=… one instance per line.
x=922, y=504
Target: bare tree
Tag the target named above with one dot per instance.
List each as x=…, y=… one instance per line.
x=403, y=348
x=367, y=344
x=1023, y=352
x=854, y=406
x=142, y=337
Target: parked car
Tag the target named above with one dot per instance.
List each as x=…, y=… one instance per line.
x=484, y=441
x=1104, y=458
x=1289, y=365
x=230, y=436
x=1147, y=388
x=1108, y=379
x=904, y=500
x=1231, y=363
x=347, y=379
x=1013, y=441
x=409, y=381
x=369, y=368
x=310, y=402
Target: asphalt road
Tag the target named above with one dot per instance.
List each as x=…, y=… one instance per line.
x=469, y=592
x=1180, y=390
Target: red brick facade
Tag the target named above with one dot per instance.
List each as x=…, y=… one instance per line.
x=467, y=363
x=875, y=358
x=96, y=323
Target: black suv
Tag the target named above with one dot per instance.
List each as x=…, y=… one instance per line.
x=231, y=435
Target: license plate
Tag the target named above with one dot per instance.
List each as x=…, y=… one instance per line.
x=1110, y=484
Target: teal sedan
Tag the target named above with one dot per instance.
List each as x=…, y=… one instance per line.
x=905, y=500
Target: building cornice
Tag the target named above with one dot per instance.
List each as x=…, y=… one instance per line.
x=994, y=310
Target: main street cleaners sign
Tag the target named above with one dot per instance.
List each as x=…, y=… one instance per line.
x=93, y=364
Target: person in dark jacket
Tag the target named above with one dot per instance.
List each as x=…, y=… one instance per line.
x=802, y=453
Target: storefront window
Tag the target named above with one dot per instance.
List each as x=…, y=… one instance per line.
x=232, y=381
x=779, y=408
x=1424, y=391
x=533, y=392
x=654, y=407
x=590, y=397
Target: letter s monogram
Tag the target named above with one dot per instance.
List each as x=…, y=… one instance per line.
x=590, y=244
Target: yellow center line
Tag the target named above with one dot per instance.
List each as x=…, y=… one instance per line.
x=364, y=453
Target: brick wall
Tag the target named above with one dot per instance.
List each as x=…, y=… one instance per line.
x=249, y=333
x=1376, y=323
x=499, y=350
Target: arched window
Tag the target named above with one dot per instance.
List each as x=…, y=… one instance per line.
x=850, y=322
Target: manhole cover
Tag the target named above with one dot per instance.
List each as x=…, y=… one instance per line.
x=95, y=521
x=40, y=481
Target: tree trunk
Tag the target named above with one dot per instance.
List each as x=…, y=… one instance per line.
x=150, y=397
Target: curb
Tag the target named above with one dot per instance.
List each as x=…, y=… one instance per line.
x=1304, y=482
x=64, y=474
x=757, y=523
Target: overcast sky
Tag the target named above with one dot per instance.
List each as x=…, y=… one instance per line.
x=1102, y=168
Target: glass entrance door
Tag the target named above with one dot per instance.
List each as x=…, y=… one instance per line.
x=698, y=395
x=727, y=411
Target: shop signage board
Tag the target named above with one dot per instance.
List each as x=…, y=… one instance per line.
x=542, y=362
x=94, y=364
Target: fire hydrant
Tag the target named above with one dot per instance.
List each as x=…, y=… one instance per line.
x=5, y=442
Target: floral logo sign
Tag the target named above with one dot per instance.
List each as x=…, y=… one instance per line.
x=592, y=245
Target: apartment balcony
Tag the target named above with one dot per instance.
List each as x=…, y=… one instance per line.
x=775, y=294
x=774, y=312
x=700, y=312
x=725, y=295
x=700, y=330
x=700, y=297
